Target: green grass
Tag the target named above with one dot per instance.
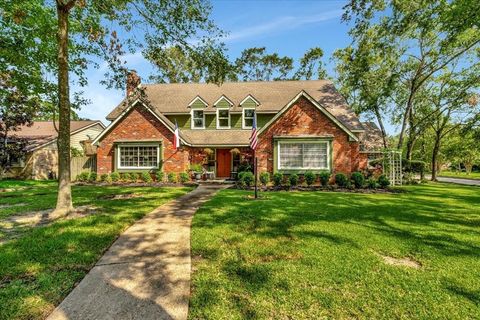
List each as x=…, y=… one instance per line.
x=41, y=267
x=315, y=255
x=464, y=175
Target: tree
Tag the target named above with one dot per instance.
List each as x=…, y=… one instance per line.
x=464, y=149
x=426, y=37
x=256, y=65
x=311, y=65
x=181, y=65
x=82, y=29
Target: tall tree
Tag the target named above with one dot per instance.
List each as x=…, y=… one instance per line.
x=255, y=64
x=82, y=29
x=311, y=65
x=425, y=35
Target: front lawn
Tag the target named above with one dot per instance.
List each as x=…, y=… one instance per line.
x=299, y=255
x=461, y=175
x=38, y=269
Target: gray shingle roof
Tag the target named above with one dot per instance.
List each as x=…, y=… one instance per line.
x=272, y=95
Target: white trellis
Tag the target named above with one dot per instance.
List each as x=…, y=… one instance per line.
x=392, y=166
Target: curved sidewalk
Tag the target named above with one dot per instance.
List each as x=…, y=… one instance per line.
x=146, y=272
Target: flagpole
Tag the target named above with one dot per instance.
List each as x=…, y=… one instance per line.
x=256, y=174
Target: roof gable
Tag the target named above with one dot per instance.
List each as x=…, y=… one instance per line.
x=198, y=102
x=223, y=102
x=249, y=102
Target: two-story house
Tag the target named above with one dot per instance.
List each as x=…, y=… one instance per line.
x=302, y=125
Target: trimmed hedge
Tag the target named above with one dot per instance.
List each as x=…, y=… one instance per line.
x=358, y=179
x=310, y=178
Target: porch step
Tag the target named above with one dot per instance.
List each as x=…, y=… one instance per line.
x=217, y=181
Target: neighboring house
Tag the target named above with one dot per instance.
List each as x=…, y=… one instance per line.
x=302, y=125
x=41, y=158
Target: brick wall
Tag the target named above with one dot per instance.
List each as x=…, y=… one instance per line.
x=139, y=124
x=304, y=119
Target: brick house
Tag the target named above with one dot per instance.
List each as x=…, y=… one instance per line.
x=303, y=125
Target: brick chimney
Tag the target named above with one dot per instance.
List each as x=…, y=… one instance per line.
x=133, y=81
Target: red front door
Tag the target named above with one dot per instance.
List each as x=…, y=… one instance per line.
x=224, y=163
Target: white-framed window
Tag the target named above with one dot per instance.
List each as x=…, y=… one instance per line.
x=223, y=118
x=304, y=155
x=134, y=156
x=248, y=116
x=198, y=119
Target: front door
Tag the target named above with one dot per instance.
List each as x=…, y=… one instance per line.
x=224, y=163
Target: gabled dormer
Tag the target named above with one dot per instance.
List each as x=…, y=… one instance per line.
x=223, y=105
x=249, y=105
x=197, y=106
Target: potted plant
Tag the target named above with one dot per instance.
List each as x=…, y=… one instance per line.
x=197, y=170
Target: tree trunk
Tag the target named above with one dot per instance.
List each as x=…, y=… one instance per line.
x=64, y=200
x=436, y=149
x=410, y=145
x=382, y=127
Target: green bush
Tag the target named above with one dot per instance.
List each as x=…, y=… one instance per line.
x=146, y=177
x=277, y=179
x=184, y=177
x=309, y=178
x=92, y=177
x=324, y=177
x=83, y=177
x=415, y=167
x=115, y=176
x=383, y=181
x=358, y=179
x=264, y=178
x=172, y=177
x=341, y=180
x=159, y=176
x=372, y=183
x=125, y=177
x=293, y=179
x=248, y=178
x=103, y=177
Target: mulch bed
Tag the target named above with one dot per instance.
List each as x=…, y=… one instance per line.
x=137, y=184
x=320, y=188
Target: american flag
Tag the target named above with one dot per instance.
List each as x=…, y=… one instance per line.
x=176, y=138
x=253, y=137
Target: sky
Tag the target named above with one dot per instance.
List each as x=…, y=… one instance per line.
x=286, y=27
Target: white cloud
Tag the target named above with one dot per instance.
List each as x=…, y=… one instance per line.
x=281, y=24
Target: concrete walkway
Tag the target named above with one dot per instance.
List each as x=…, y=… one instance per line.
x=146, y=272
x=469, y=182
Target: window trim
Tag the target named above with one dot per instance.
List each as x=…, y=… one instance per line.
x=278, y=143
x=120, y=145
x=192, y=122
x=243, y=118
x=218, y=118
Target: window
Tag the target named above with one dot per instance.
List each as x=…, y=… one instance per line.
x=198, y=119
x=138, y=156
x=223, y=119
x=305, y=155
x=248, y=115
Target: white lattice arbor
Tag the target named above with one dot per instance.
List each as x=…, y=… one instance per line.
x=392, y=166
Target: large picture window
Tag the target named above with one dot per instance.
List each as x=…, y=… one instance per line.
x=223, y=119
x=138, y=156
x=303, y=155
x=248, y=115
x=198, y=119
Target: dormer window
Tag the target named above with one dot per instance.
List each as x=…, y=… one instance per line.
x=248, y=116
x=198, y=119
x=223, y=118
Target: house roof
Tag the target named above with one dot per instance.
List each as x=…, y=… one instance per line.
x=372, y=137
x=273, y=96
x=43, y=132
x=231, y=137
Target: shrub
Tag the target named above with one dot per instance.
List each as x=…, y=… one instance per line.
x=415, y=166
x=324, y=178
x=358, y=179
x=172, y=177
x=310, y=178
x=92, y=177
x=184, y=177
x=372, y=183
x=115, y=176
x=383, y=181
x=83, y=177
x=277, y=179
x=293, y=179
x=146, y=177
x=264, y=178
x=104, y=177
x=248, y=178
x=341, y=180
x=159, y=175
